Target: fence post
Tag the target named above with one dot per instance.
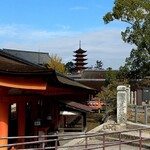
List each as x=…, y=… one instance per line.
x=86, y=140
x=56, y=143
x=103, y=141
x=120, y=140
x=136, y=113
x=140, y=141
x=145, y=114
x=131, y=101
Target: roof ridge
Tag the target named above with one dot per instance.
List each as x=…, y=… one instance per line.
x=18, y=50
x=18, y=58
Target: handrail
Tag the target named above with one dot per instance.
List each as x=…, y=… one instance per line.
x=46, y=140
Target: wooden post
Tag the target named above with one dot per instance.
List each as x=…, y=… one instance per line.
x=21, y=120
x=3, y=124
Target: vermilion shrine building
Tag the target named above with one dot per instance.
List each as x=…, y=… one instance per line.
x=34, y=99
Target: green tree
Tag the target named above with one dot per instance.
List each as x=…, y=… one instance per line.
x=111, y=76
x=112, y=80
x=123, y=72
x=69, y=66
x=136, y=13
x=109, y=94
x=56, y=64
x=99, y=64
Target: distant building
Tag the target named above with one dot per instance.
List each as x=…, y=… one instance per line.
x=92, y=78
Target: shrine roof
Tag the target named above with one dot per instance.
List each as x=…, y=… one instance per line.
x=13, y=66
x=40, y=58
x=9, y=62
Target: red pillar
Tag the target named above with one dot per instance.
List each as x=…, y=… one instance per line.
x=21, y=120
x=3, y=124
x=57, y=118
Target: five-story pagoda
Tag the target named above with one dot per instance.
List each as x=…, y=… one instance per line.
x=80, y=59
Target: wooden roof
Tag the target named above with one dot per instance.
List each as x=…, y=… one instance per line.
x=78, y=106
x=93, y=74
x=80, y=50
x=40, y=58
x=22, y=71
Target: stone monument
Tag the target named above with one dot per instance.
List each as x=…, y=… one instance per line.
x=121, y=104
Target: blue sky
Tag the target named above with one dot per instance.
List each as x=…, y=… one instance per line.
x=56, y=26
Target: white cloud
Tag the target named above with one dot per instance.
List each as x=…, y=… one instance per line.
x=79, y=8
x=104, y=44
x=7, y=31
x=24, y=32
x=63, y=27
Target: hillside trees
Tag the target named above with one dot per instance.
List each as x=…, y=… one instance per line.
x=136, y=13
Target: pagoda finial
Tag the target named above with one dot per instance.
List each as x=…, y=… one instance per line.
x=80, y=44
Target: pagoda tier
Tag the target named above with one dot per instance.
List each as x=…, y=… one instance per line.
x=78, y=51
x=79, y=55
x=80, y=64
x=80, y=68
x=80, y=59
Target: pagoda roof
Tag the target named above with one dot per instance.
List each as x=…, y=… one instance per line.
x=80, y=50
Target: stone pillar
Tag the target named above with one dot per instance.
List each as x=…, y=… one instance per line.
x=3, y=124
x=131, y=97
x=128, y=94
x=121, y=104
x=135, y=99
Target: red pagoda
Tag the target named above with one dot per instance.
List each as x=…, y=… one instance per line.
x=80, y=59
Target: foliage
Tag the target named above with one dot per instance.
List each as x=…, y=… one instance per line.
x=144, y=83
x=56, y=64
x=111, y=76
x=136, y=13
x=69, y=66
x=99, y=64
x=123, y=72
x=110, y=91
x=109, y=94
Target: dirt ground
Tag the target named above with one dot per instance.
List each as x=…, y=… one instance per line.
x=93, y=120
